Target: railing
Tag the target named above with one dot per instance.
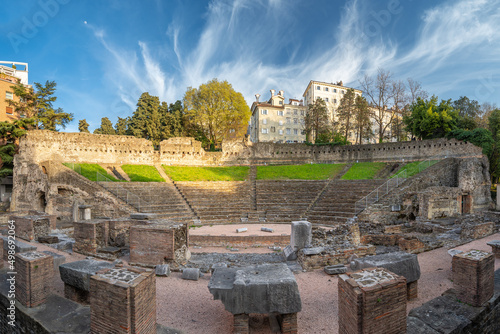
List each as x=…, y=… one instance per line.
x=122, y=193
x=391, y=183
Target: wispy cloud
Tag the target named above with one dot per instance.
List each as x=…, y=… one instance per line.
x=241, y=42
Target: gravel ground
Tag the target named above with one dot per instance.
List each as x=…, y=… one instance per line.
x=253, y=229
x=189, y=306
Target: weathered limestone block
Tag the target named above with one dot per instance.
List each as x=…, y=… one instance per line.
x=495, y=247
x=162, y=270
x=20, y=247
x=76, y=278
x=192, y=274
x=266, y=288
x=301, y=235
x=400, y=263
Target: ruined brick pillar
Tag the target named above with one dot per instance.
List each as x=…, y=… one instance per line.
x=473, y=276
x=372, y=300
x=1, y=253
x=412, y=290
x=123, y=301
x=240, y=324
x=34, y=272
x=289, y=323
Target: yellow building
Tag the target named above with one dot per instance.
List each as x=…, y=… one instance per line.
x=10, y=76
x=277, y=121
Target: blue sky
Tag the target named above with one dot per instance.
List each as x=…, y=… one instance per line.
x=104, y=54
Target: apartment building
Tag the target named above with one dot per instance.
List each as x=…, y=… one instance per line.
x=10, y=74
x=277, y=121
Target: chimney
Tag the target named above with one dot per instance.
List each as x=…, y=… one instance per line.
x=257, y=97
x=272, y=92
x=281, y=93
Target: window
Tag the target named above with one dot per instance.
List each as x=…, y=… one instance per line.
x=334, y=100
x=343, y=92
x=326, y=99
x=8, y=110
x=335, y=90
x=280, y=131
x=264, y=130
x=264, y=121
x=302, y=113
x=280, y=122
x=280, y=112
x=9, y=95
x=295, y=112
x=288, y=131
x=326, y=89
x=303, y=132
x=295, y=121
x=288, y=120
x=263, y=111
x=295, y=131
x=281, y=102
x=273, y=129
x=318, y=88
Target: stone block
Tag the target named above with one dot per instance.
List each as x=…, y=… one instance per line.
x=31, y=227
x=241, y=230
x=143, y=216
x=123, y=301
x=20, y=247
x=58, y=259
x=192, y=274
x=495, y=247
x=78, y=273
x=264, y=289
x=372, y=300
x=336, y=269
x=49, y=239
x=400, y=263
x=266, y=229
x=162, y=270
x=312, y=250
x=34, y=273
x=473, y=276
x=301, y=235
x=289, y=253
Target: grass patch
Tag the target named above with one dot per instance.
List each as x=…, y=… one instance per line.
x=142, y=173
x=413, y=168
x=90, y=171
x=299, y=172
x=233, y=173
x=363, y=171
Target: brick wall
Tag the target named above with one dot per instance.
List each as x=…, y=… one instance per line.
x=31, y=227
x=376, y=307
x=1, y=253
x=122, y=306
x=409, y=245
x=34, y=273
x=473, y=276
x=477, y=231
x=323, y=259
x=90, y=236
x=151, y=245
x=240, y=324
x=242, y=241
x=380, y=239
x=289, y=323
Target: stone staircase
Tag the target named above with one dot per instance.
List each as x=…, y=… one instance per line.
x=337, y=202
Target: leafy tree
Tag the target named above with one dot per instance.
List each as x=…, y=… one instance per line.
x=9, y=134
x=38, y=104
x=361, y=120
x=345, y=112
x=467, y=107
x=106, y=127
x=146, y=106
x=174, y=120
x=217, y=110
x=428, y=120
x=83, y=126
x=494, y=158
x=121, y=126
x=316, y=120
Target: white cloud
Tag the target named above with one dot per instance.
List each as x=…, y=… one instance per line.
x=257, y=45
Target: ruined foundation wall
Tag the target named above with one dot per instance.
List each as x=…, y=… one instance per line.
x=436, y=192
x=40, y=145
x=53, y=188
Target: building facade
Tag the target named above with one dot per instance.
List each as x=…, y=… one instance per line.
x=277, y=121
x=11, y=73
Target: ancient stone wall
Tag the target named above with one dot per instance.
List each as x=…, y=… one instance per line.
x=40, y=145
x=53, y=188
x=449, y=188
